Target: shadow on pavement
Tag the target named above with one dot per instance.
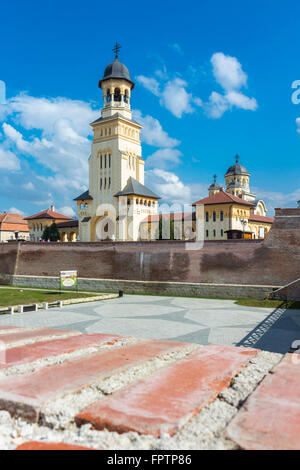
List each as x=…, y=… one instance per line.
x=276, y=332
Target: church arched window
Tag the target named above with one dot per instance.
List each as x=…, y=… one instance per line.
x=126, y=96
x=117, y=94
x=108, y=96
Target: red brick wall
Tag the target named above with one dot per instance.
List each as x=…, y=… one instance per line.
x=273, y=262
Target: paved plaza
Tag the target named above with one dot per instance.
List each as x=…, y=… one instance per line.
x=202, y=321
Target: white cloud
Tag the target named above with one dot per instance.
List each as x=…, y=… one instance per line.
x=168, y=185
x=228, y=71
x=164, y=158
x=174, y=96
x=55, y=133
x=176, y=99
x=162, y=74
x=8, y=160
x=43, y=113
x=14, y=210
x=239, y=100
x=229, y=74
x=28, y=186
x=67, y=210
x=275, y=199
x=64, y=145
x=153, y=133
x=150, y=84
x=217, y=105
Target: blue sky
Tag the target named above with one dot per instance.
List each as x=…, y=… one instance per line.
x=212, y=79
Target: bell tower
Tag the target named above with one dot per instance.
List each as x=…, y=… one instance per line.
x=116, y=85
x=116, y=167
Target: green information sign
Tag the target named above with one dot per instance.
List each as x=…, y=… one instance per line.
x=68, y=278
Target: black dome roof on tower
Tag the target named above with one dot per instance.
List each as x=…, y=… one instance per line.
x=237, y=169
x=116, y=70
x=214, y=185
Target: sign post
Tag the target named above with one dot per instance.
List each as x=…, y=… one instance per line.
x=68, y=279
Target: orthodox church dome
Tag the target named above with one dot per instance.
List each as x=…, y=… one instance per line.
x=117, y=69
x=237, y=169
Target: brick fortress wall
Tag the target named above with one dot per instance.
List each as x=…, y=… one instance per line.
x=274, y=261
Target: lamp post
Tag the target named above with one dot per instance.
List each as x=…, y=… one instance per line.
x=244, y=223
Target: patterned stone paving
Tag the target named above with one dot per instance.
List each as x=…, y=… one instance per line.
x=201, y=321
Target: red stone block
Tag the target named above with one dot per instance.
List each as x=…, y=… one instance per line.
x=34, y=445
x=31, y=352
x=35, y=333
x=270, y=418
x=23, y=395
x=166, y=400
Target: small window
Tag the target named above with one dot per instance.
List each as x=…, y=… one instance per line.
x=207, y=216
x=117, y=94
x=105, y=161
x=100, y=183
x=109, y=160
x=221, y=216
x=207, y=233
x=101, y=162
x=214, y=232
x=214, y=216
x=109, y=182
x=222, y=233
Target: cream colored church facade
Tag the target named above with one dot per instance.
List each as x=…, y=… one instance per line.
x=118, y=206
x=117, y=200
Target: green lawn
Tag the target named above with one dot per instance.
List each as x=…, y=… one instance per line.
x=265, y=303
x=262, y=303
x=10, y=297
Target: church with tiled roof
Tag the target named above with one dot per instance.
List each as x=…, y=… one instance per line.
x=233, y=212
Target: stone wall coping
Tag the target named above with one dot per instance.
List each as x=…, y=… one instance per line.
x=129, y=281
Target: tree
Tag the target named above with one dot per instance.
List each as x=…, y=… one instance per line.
x=51, y=233
x=46, y=234
x=160, y=229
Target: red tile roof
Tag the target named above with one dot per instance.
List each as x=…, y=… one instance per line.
x=260, y=218
x=48, y=214
x=222, y=197
x=11, y=222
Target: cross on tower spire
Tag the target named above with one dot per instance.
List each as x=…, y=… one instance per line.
x=116, y=49
x=237, y=158
x=215, y=178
